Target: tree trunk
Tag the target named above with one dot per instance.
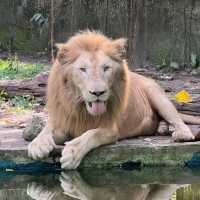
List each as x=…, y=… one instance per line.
x=34, y=87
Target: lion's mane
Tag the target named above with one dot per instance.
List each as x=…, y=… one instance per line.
x=66, y=109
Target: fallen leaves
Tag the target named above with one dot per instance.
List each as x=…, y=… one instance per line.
x=6, y=123
x=13, y=116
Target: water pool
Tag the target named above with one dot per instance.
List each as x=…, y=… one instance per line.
x=116, y=184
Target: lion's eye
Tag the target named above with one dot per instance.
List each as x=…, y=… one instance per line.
x=106, y=68
x=83, y=69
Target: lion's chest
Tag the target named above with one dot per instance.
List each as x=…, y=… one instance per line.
x=78, y=125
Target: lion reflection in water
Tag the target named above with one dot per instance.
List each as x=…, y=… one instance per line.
x=74, y=187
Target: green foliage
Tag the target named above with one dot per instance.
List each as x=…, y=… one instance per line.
x=40, y=20
x=14, y=69
x=162, y=57
x=23, y=103
x=19, y=103
x=4, y=40
x=195, y=60
x=3, y=96
x=190, y=192
x=25, y=40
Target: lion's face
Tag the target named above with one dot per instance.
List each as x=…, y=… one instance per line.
x=94, y=62
x=93, y=74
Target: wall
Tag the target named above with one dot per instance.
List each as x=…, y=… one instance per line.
x=158, y=32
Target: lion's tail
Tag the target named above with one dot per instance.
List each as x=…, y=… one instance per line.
x=190, y=119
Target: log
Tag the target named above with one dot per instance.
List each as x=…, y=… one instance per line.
x=33, y=87
x=189, y=108
x=37, y=85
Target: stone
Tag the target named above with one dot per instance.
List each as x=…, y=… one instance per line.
x=137, y=152
x=33, y=128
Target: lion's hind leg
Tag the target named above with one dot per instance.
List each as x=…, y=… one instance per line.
x=42, y=145
x=168, y=112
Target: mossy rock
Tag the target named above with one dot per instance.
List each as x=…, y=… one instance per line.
x=33, y=128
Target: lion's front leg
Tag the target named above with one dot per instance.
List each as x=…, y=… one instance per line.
x=42, y=145
x=74, y=186
x=75, y=150
x=40, y=191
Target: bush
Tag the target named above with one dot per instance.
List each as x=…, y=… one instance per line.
x=14, y=69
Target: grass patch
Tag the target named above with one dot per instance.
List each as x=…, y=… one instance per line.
x=162, y=58
x=22, y=102
x=18, y=104
x=14, y=69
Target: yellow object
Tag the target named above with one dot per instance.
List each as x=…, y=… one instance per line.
x=6, y=122
x=183, y=97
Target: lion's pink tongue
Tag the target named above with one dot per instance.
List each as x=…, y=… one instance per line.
x=98, y=107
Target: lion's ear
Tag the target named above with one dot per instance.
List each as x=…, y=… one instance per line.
x=120, y=46
x=62, y=53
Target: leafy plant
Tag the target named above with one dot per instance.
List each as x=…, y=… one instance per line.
x=14, y=69
x=3, y=96
x=39, y=20
x=194, y=60
x=22, y=103
x=162, y=58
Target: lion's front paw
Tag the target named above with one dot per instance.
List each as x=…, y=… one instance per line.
x=38, y=191
x=40, y=147
x=183, y=134
x=73, y=185
x=72, y=154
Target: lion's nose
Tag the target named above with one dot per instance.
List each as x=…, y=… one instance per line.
x=97, y=93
